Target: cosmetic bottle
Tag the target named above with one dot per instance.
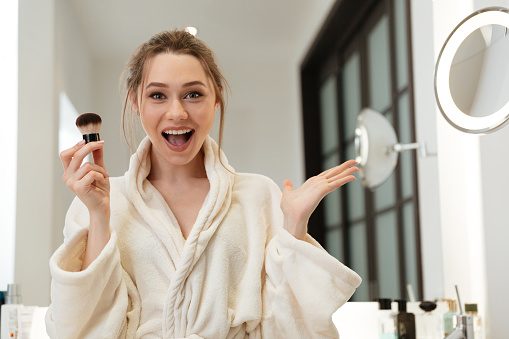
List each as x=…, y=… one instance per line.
x=13, y=295
x=449, y=316
x=10, y=319
x=386, y=320
x=405, y=322
x=472, y=310
x=428, y=323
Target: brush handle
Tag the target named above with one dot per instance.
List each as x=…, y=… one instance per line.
x=91, y=137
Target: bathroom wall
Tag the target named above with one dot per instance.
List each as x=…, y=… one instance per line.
x=8, y=136
x=37, y=140
x=53, y=57
x=452, y=174
x=494, y=163
x=107, y=102
x=473, y=197
x=73, y=76
x=459, y=182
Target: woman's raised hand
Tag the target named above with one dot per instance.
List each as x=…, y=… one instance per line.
x=298, y=205
x=89, y=181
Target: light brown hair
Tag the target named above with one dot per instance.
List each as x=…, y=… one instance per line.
x=177, y=42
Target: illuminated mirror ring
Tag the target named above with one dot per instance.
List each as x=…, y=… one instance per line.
x=456, y=117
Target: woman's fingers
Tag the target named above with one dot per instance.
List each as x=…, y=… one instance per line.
x=341, y=181
x=98, y=155
x=334, y=171
x=85, y=184
x=67, y=155
x=79, y=155
x=298, y=205
x=345, y=173
x=89, y=167
x=287, y=186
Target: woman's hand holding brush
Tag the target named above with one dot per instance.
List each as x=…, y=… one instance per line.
x=89, y=181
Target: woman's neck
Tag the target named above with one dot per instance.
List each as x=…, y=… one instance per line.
x=164, y=171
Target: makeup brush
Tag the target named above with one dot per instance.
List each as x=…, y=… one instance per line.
x=89, y=125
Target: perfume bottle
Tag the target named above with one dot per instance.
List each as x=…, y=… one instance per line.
x=405, y=322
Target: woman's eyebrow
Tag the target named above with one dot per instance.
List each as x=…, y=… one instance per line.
x=157, y=84
x=187, y=84
x=193, y=83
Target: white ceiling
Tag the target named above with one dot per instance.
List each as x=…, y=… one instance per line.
x=234, y=29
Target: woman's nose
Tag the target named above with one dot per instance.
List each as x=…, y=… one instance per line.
x=176, y=111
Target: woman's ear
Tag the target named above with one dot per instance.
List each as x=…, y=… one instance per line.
x=217, y=100
x=133, y=100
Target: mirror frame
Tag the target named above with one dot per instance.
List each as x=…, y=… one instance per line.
x=375, y=139
x=458, y=119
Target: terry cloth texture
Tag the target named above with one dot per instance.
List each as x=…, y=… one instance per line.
x=238, y=275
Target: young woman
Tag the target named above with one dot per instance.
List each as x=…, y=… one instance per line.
x=181, y=246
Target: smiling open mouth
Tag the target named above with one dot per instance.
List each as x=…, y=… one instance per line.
x=178, y=137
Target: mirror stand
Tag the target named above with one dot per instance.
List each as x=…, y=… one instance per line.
x=420, y=146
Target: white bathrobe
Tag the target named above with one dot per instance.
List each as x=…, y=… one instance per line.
x=239, y=274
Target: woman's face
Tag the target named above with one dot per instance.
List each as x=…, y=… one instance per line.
x=178, y=102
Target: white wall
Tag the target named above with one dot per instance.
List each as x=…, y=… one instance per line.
x=52, y=58
x=8, y=137
x=73, y=69
x=494, y=164
x=458, y=157
x=37, y=140
x=107, y=102
x=473, y=186
x=262, y=130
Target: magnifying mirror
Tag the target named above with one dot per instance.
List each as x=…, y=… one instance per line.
x=471, y=74
x=377, y=148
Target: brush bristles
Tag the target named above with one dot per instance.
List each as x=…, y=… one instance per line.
x=89, y=123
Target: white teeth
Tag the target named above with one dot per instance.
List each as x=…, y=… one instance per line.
x=179, y=131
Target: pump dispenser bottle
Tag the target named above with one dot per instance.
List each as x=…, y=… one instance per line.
x=428, y=323
x=405, y=322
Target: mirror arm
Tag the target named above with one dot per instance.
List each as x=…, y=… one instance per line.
x=421, y=146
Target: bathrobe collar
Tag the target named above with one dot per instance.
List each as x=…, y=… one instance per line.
x=151, y=205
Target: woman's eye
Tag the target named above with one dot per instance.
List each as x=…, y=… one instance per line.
x=193, y=95
x=157, y=96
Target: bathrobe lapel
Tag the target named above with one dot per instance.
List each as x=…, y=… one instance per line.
x=154, y=209
x=151, y=205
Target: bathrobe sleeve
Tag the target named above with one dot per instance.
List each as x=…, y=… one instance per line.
x=98, y=302
x=304, y=285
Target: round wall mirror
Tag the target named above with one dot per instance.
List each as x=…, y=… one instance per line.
x=472, y=73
